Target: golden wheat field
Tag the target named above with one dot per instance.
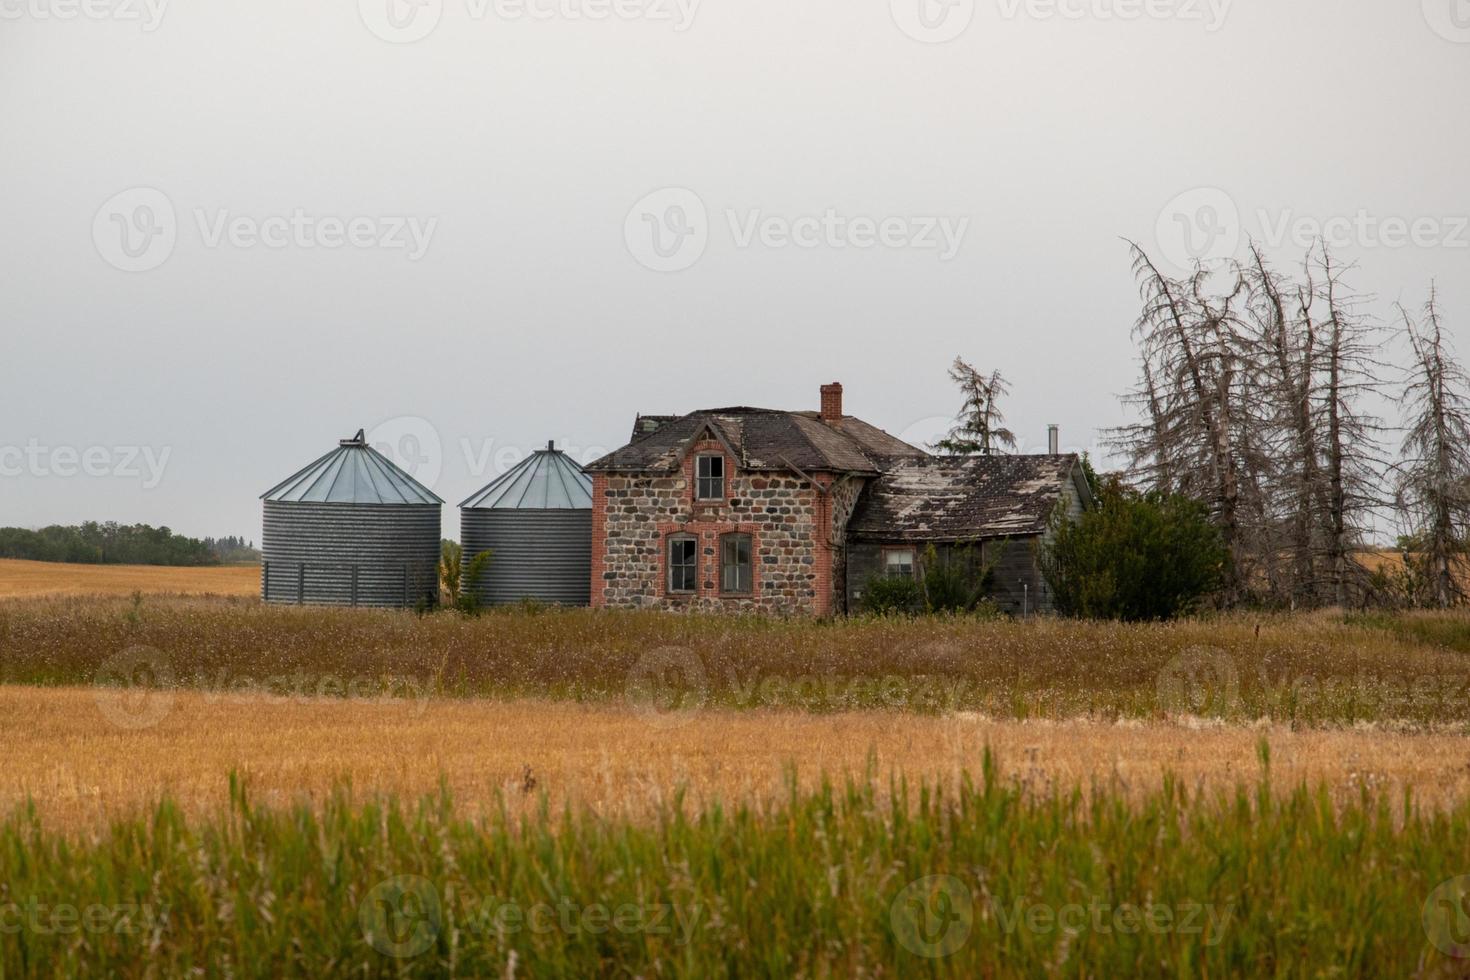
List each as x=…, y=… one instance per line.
x=44, y=578
x=67, y=751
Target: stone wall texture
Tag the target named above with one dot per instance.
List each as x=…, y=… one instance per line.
x=796, y=570
x=842, y=500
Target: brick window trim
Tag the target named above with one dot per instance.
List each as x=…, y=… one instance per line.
x=709, y=535
x=666, y=571
x=707, y=448
x=720, y=564
x=724, y=478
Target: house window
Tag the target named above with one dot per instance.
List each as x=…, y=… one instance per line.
x=709, y=477
x=683, y=563
x=898, y=563
x=735, y=564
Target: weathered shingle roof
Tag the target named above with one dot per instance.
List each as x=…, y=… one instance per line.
x=646, y=424
x=956, y=498
x=761, y=439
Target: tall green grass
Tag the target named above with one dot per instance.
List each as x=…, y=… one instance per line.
x=871, y=877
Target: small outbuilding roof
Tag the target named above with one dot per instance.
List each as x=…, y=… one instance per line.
x=353, y=473
x=545, y=480
x=960, y=498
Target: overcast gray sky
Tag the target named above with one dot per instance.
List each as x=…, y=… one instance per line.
x=233, y=232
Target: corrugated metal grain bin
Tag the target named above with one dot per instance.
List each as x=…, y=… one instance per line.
x=537, y=520
x=351, y=529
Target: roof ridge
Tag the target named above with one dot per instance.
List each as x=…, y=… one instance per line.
x=856, y=445
x=808, y=439
x=762, y=439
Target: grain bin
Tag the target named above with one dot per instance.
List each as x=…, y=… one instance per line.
x=537, y=521
x=351, y=529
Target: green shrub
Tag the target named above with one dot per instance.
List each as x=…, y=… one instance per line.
x=954, y=582
x=469, y=596
x=1136, y=556
x=890, y=595
x=460, y=585
x=958, y=581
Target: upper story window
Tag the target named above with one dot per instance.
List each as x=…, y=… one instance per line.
x=709, y=477
x=735, y=564
x=898, y=563
x=683, y=563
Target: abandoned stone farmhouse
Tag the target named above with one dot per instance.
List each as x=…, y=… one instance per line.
x=794, y=512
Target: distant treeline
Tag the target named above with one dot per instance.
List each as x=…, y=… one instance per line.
x=111, y=543
x=231, y=549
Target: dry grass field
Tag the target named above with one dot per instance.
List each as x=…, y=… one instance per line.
x=301, y=791
x=1409, y=672
x=45, y=578
x=67, y=752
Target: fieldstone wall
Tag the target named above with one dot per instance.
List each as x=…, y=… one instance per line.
x=841, y=502
x=634, y=515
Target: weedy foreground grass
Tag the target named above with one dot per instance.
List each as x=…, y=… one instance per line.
x=1314, y=669
x=857, y=879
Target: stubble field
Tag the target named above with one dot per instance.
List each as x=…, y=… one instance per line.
x=67, y=753
x=44, y=578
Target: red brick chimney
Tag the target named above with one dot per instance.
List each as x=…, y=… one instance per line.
x=832, y=401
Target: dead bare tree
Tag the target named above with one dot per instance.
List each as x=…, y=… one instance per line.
x=1250, y=400
x=1348, y=374
x=1191, y=442
x=1284, y=354
x=979, y=426
x=1434, y=483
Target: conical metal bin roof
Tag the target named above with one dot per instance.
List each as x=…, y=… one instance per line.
x=353, y=473
x=545, y=480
